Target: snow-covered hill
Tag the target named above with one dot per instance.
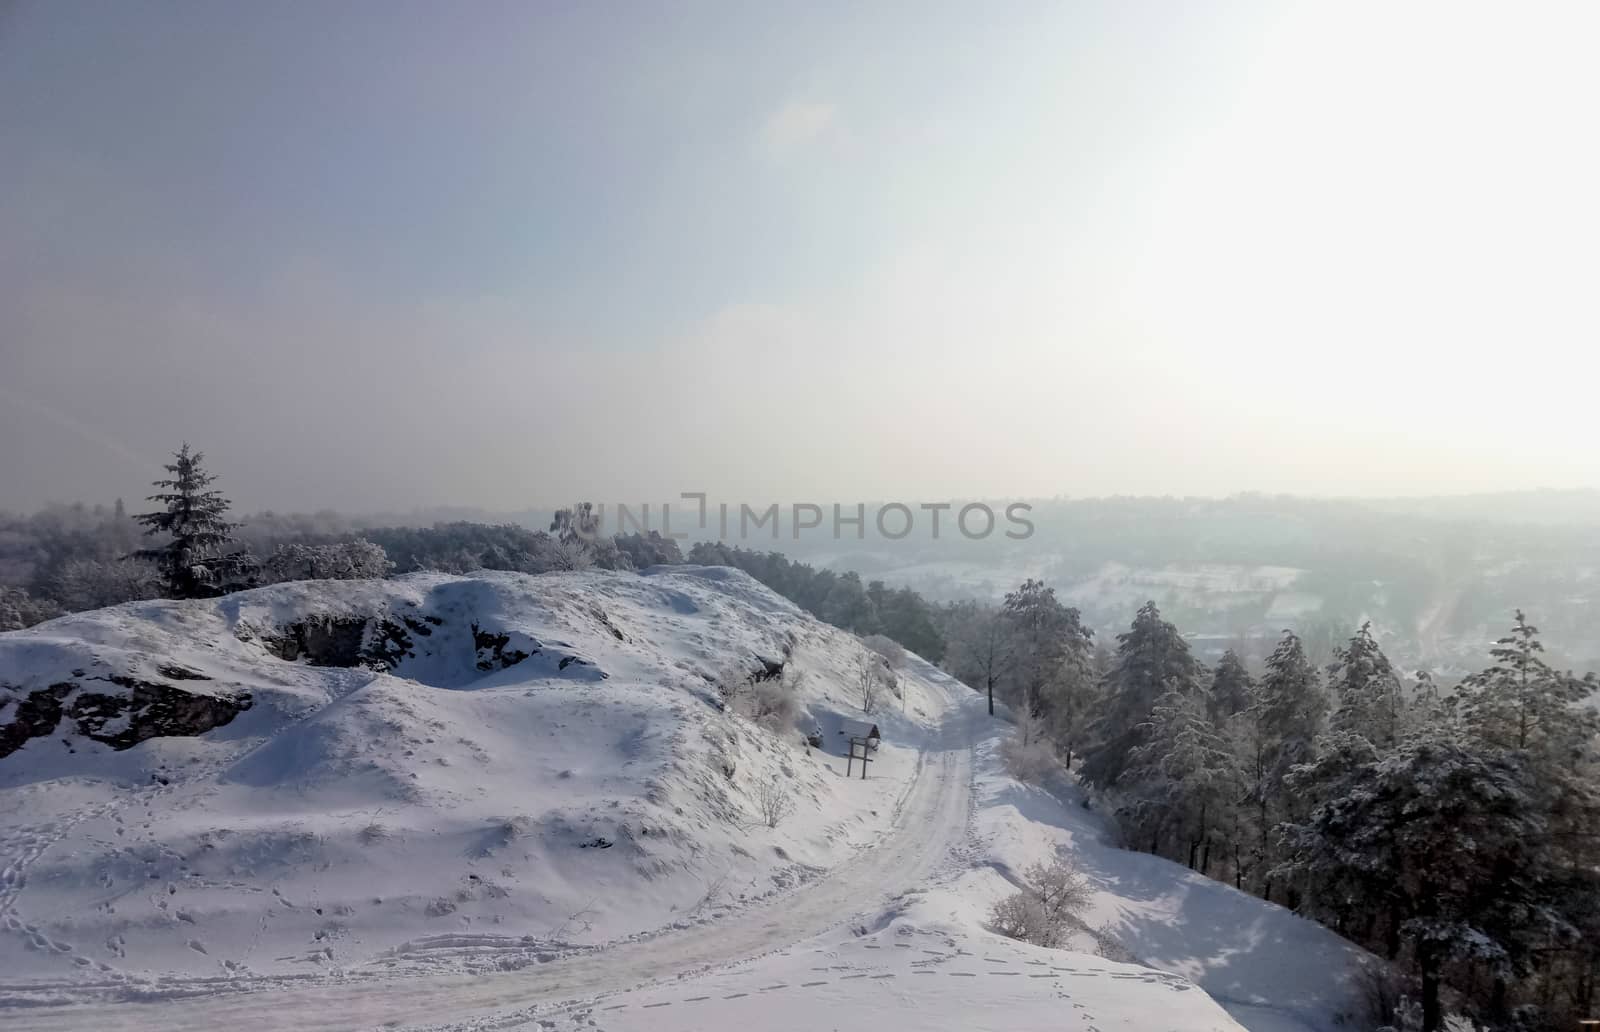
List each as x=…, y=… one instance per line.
x=366, y=790
x=466, y=809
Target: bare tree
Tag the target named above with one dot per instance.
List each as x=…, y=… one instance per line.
x=982, y=649
x=773, y=802
x=869, y=680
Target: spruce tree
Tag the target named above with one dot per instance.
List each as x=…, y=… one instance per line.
x=1520, y=702
x=1367, y=690
x=1292, y=704
x=1281, y=727
x=1183, y=781
x=1050, y=675
x=190, y=563
x=1544, y=718
x=1447, y=838
x=1230, y=687
x=1152, y=658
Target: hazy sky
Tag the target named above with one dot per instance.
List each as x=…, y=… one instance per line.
x=383, y=255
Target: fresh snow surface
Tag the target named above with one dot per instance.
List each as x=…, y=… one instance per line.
x=421, y=848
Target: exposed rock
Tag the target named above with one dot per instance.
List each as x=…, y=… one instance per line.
x=491, y=650
x=605, y=621
x=389, y=644
x=326, y=641
x=149, y=709
x=376, y=643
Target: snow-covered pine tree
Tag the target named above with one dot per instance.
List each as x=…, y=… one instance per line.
x=1293, y=705
x=1544, y=717
x=1367, y=691
x=1051, y=652
x=1230, y=687
x=1279, y=730
x=1152, y=658
x=1429, y=706
x=1520, y=702
x=1447, y=837
x=1183, y=782
x=193, y=517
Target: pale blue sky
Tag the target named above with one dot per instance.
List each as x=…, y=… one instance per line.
x=376, y=255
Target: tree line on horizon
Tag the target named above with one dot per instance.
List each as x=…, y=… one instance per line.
x=77, y=558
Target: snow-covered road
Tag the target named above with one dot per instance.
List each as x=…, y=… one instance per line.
x=926, y=841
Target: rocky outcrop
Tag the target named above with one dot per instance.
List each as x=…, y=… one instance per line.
x=383, y=642
x=376, y=643
x=327, y=641
x=492, y=651
x=143, y=710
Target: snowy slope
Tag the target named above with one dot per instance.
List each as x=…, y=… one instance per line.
x=1274, y=971
x=574, y=833
x=911, y=975
x=439, y=816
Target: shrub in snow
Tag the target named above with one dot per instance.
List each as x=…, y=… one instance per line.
x=94, y=584
x=772, y=703
x=18, y=609
x=1045, y=911
x=570, y=555
x=891, y=651
x=732, y=683
x=650, y=549
x=1028, y=754
x=343, y=560
x=1029, y=763
x=773, y=802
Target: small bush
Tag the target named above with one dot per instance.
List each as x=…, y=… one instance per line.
x=892, y=651
x=773, y=803
x=773, y=704
x=1045, y=911
x=1028, y=762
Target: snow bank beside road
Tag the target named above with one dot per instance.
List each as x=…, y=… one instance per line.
x=1274, y=971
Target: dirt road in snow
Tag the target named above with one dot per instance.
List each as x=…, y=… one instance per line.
x=926, y=841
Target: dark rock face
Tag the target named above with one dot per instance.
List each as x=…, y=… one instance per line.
x=376, y=643
x=491, y=650
x=153, y=709
x=382, y=642
x=332, y=641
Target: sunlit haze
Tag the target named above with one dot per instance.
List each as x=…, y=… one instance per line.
x=386, y=255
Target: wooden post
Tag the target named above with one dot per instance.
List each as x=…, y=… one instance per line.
x=864, y=758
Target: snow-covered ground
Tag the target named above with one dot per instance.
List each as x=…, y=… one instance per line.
x=571, y=839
